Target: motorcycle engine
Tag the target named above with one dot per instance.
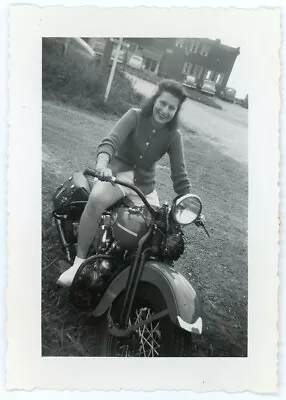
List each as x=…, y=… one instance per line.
x=168, y=239
x=174, y=244
x=102, y=269
x=87, y=288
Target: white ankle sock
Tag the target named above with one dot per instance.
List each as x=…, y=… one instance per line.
x=77, y=262
x=66, y=278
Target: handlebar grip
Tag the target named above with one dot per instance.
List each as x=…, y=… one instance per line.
x=107, y=179
x=90, y=172
x=113, y=180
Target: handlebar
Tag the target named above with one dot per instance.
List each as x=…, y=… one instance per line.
x=114, y=180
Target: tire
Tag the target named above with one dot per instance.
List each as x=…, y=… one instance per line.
x=160, y=338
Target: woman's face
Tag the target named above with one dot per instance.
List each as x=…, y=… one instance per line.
x=165, y=108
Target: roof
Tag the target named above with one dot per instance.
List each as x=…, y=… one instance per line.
x=217, y=42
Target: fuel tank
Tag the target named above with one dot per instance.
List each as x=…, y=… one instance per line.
x=129, y=225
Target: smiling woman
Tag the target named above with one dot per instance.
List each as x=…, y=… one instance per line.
x=165, y=108
x=137, y=141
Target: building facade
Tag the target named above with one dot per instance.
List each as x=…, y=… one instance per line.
x=176, y=58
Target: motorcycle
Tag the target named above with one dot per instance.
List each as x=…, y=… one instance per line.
x=129, y=281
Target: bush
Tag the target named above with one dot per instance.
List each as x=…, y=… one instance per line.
x=79, y=83
x=144, y=75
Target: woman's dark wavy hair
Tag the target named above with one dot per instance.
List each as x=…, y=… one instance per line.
x=172, y=87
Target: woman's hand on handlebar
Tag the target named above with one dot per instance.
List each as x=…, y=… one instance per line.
x=103, y=172
x=101, y=168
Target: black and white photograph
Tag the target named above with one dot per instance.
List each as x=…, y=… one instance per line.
x=161, y=272
x=153, y=221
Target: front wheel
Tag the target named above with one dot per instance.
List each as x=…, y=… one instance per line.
x=160, y=338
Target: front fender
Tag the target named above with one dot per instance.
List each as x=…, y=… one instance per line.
x=180, y=297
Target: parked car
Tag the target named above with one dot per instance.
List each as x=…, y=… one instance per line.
x=244, y=102
x=135, y=62
x=228, y=94
x=208, y=87
x=190, y=82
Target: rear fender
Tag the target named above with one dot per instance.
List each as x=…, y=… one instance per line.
x=180, y=297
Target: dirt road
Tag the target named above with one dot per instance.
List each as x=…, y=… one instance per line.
x=217, y=267
x=226, y=129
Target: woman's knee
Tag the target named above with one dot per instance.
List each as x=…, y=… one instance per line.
x=102, y=196
x=96, y=202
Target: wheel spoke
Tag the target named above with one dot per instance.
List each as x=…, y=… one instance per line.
x=145, y=341
x=148, y=336
x=141, y=335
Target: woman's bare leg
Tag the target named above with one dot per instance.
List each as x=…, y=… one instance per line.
x=103, y=195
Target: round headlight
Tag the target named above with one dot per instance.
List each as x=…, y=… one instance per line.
x=186, y=209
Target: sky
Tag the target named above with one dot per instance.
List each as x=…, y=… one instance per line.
x=236, y=28
x=240, y=73
x=239, y=78
x=229, y=31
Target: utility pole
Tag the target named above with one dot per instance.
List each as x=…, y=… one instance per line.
x=105, y=59
x=117, y=52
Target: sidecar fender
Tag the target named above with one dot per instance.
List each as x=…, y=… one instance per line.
x=180, y=297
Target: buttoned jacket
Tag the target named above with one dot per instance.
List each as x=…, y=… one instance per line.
x=135, y=144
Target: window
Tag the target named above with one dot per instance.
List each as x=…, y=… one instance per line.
x=198, y=70
x=187, y=68
x=205, y=50
x=179, y=42
x=209, y=75
x=219, y=78
x=150, y=64
x=194, y=46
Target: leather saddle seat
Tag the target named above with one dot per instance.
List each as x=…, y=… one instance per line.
x=76, y=190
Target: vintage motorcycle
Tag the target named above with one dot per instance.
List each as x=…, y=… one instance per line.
x=129, y=281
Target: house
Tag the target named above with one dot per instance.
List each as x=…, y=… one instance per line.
x=150, y=49
x=177, y=58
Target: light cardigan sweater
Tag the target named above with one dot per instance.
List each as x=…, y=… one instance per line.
x=134, y=144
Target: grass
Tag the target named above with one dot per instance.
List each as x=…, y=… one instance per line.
x=79, y=83
x=217, y=267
